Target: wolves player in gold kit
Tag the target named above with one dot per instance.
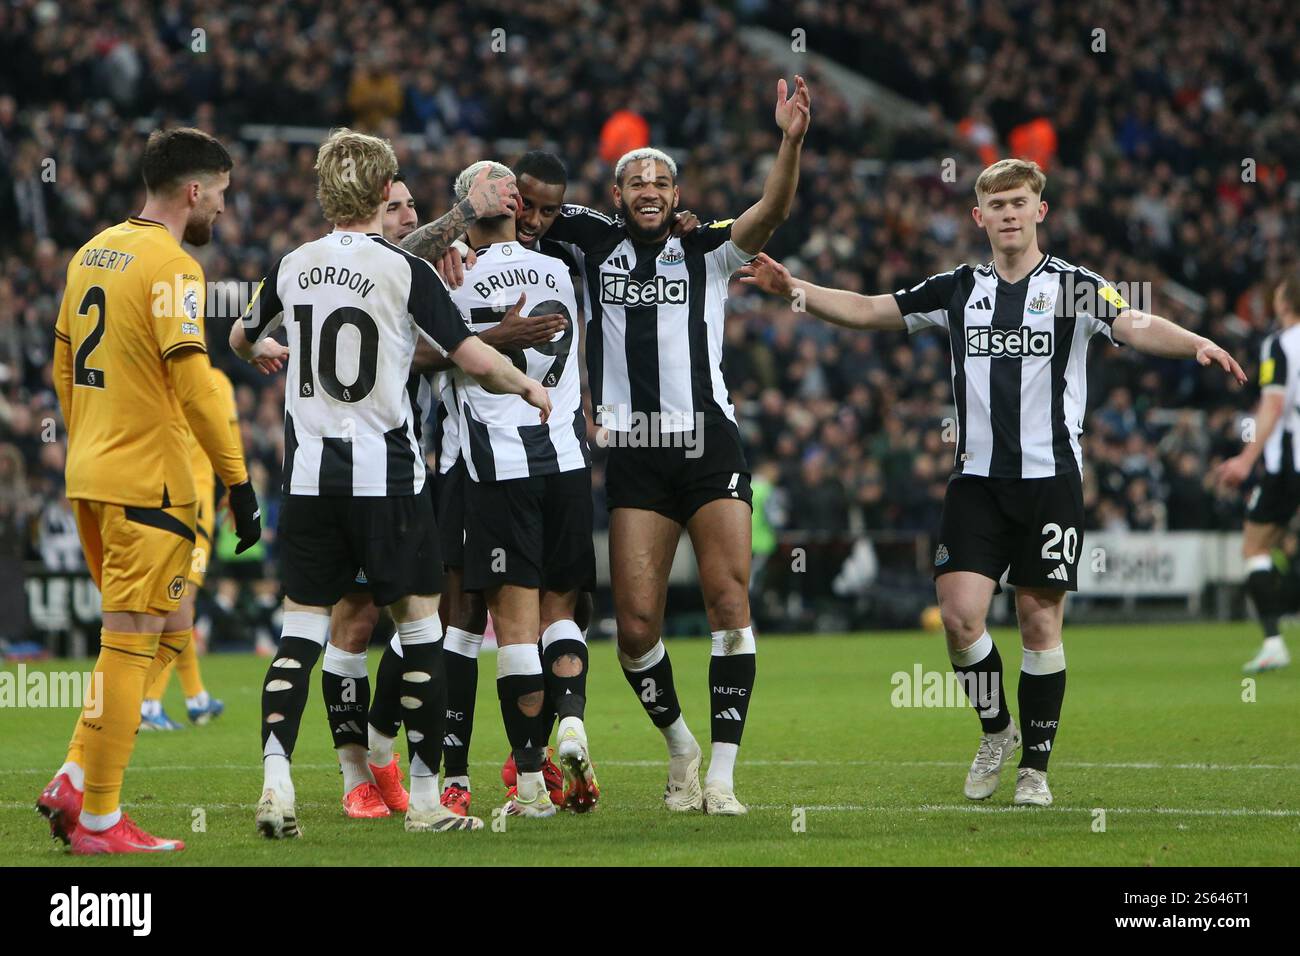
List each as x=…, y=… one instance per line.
x=133, y=378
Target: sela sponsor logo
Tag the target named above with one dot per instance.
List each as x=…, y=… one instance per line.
x=985, y=341
x=616, y=289
x=77, y=909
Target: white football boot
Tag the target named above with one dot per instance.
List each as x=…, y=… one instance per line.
x=1031, y=788
x=721, y=802
x=438, y=820
x=986, y=769
x=581, y=789
x=530, y=798
x=1272, y=656
x=682, y=793
x=276, y=818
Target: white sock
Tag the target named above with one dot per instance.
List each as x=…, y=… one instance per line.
x=424, y=785
x=381, y=747
x=150, y=708
x=199, y=701
x=1274, y=644
x=352, y=761
x=722, y=764
x=99, y=822
x=679, y=738
x=275, y=776
x=75, y=774
x=463, y=642
x=458, y=781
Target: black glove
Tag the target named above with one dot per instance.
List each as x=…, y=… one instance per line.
x=248, y=516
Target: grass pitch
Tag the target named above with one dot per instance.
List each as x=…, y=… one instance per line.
x=1155, y=732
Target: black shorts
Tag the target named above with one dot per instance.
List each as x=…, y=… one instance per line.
x=1032, y=525
x=532, y=532
x=678, y=481
x=451, y=514
x=361, y=584
x=326, y=541
x=1275, y=499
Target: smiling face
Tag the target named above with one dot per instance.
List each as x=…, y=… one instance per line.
x=400, y=217
x=647, y=196
x=1010, y=218
x=541, y=204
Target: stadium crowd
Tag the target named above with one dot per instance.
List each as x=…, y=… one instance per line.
x=1144, y=146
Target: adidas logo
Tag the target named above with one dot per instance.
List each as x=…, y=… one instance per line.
x=1062, y=573
x=349, y=726
x=657, y=709
x=983, y=305
x=729, y=714
x=451, y=740
x=619, y=262
x=1045, y=746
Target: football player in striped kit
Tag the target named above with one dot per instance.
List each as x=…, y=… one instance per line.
x=656, y=304
x=1274, y=501
x=1018, y=328
x=353, y=472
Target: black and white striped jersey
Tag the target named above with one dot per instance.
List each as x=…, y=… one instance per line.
x=448, y=420
x=500, y=435
x=1018, y=361
x=655, y=315
x=1279, y=370
x=355, y=304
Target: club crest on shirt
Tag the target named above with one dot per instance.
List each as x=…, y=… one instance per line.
x=1041, y=304
x=671, y=256
x=941, y=555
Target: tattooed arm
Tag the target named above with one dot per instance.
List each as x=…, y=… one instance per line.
x=486, y=198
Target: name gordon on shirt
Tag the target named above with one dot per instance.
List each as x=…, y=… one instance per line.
x=988, y=342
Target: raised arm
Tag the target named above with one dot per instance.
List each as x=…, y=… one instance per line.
x=754, y=227
x=486, y=198
x=1154, y=335
x=837, y=306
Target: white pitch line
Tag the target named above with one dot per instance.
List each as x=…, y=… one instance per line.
x=1078, y=765
x=974, y=808
x=812, y=808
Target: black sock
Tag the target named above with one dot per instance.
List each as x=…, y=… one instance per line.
x=984, y=684
x=461, y=659
x=284, y=691
x=520, y=684
x=1040, y=698
x=653, y=684
x=386, y=704
x=731, y=684
x=424, y=698
x=345, y=684
x=566, y=696
x=1266, y=593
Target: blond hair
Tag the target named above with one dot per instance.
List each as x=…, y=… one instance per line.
x=467, y=175
x=351, y=172
x=1010, y=174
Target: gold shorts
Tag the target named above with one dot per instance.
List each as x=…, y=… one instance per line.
x=139, y=557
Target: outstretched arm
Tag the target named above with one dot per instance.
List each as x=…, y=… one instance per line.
x=1154, y=335
x=837, y=306
x=757, y=223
